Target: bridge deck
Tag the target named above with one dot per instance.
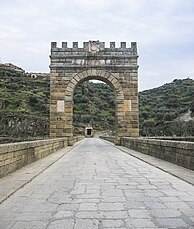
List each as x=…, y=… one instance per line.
x=96, y=185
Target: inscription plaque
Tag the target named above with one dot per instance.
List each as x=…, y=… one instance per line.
x=127, y=105
x=60, y=106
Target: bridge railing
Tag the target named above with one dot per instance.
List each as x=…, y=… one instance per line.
x=178, y=152
x=14, y=156
x=108, y=138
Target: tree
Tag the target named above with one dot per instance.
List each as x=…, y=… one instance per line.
x=33, y=100
x=145, y=114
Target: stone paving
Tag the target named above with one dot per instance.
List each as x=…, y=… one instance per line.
x=98, y=186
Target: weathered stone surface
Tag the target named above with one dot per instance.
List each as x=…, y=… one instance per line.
x=177, y=152
x=14, y=156
x=115, y=66
x=96, y=185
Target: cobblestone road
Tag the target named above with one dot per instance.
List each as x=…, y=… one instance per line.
x=98, y=186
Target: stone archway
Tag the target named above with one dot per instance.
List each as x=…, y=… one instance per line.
x=115, y=66
x=108, y=78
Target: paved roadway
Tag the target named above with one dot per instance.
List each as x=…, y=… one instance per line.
x=98, y=186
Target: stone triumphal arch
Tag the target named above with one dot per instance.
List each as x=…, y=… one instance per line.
x=115, y=66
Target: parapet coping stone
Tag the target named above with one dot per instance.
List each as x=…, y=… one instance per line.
x=170, y=143
x=11, y=147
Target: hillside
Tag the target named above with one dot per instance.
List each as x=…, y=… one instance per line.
x=24, y=107
x=162, y=109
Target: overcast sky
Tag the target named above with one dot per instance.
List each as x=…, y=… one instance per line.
x=163, y=30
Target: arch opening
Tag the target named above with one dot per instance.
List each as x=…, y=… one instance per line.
x=106, y=77
x=94, y=106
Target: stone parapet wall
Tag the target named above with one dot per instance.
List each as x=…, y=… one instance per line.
x=14, y=156
x=75, y=139
x=177, y=152
x=108, y=138
x=188, y=139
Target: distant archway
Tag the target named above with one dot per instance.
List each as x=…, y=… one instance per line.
x=115, y=66
x=108, y=78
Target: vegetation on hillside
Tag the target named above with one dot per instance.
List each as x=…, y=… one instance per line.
x=24, y=107
x=162, y=109
x=94, y=103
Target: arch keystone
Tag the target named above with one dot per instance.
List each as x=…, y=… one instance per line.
x=93, y=72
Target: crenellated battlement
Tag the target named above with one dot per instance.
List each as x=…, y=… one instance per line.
x=93, y=53
x=95, y=47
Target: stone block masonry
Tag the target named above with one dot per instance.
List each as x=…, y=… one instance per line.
x=71, y=66
x=177, y=152
x=14, y=156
